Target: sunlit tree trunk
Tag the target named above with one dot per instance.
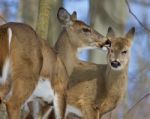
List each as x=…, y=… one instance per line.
x=43, y=18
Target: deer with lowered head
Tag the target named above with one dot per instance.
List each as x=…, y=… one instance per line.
x=26, y=60
x=75, y=36
x=97, y=89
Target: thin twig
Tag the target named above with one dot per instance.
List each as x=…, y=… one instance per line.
x=137, y=103
x=130, y=11
x=3, y=19
x=143, y=3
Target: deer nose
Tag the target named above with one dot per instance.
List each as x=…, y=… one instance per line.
x=115, y=64
x=107, y=43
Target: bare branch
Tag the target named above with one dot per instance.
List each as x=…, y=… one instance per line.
x=143, y=3
x=137, y=103
x=3, y=19
x=130, y=11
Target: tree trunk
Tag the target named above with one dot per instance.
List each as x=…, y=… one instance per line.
x=105, y=13
x=54, y=26
x=43, y=18
x=28, y=11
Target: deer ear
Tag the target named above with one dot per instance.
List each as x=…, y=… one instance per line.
x=130, y=33
x=63, y=16
x=110, y=33
x=74, y=16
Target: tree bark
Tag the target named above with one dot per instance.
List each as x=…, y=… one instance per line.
x=28, y=11
x=105, y=13
x=54, y=25
x=43, y=18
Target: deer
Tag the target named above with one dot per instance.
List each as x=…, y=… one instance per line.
x=95, y=89
x=25, y=61
x=75, y=36
x=98, y=89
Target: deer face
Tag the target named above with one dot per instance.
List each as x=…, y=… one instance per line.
x=119, y=52
x=80, y=34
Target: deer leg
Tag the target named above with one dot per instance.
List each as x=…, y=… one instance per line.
x=4, y=89
x=22, y=88
x=59, y=106
x=88, y=112
x=34, y=110
x=60, y=82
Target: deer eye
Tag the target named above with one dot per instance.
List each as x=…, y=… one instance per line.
x=86, y=30
x=124, y=52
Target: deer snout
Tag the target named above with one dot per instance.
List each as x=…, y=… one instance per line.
x=115, y=64
x=106, y=43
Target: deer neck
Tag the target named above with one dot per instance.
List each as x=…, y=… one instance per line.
x=116, y=81
x=115, y=87
x=66, y=51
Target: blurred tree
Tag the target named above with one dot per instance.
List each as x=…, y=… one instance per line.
x=28, y=11
x=43, y=18
x=54, y=26
x=105, y=13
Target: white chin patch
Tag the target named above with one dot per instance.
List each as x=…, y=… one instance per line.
x=104, y=49
x=116, y=68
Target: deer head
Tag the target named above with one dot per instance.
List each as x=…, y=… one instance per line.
x=119, y=52
x=81, y=35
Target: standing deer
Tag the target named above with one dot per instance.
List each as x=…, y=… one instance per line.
x=101, y=86
x=97, y=89
x=25, y=60
x=76, y=35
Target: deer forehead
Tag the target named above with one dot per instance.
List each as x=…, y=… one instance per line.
x=79, y=24
x=121, y=44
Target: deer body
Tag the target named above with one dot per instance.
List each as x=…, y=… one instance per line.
x=115, y=87
x=25, y=60
x=101, y=85
x=15, y=61
x=95, y=87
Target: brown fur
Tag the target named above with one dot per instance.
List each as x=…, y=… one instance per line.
x=30, y=58
x=3, y=55
x=76, y=34
x=97, y=89
x=25, y=69
x=3, y=47
x=100, y=86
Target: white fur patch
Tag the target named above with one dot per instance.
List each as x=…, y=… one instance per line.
x=73, y=109
x=5, y=71
x=43, y=90
x=9, y=31
x=104, y=48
